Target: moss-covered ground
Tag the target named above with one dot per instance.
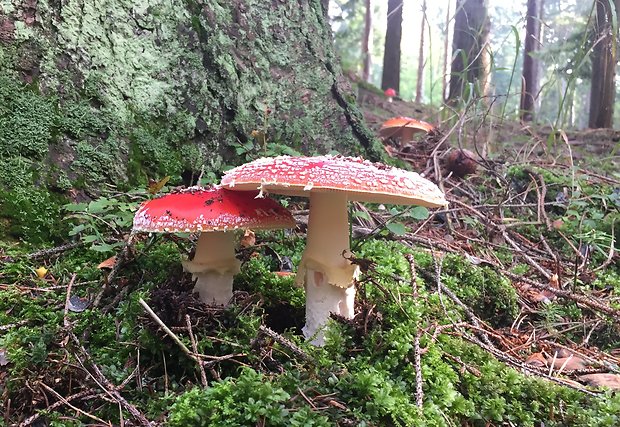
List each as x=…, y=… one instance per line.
x=447, y=319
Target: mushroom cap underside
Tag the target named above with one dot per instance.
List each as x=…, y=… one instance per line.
x=360, y=179
x=393, y=126
x=210, y=209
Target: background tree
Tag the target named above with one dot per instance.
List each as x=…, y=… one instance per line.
x=391, y=55
x=604, y=58
x=367, y=41
x=470, y=63
x=420, y=81
x=531, y=65
x=446, y=40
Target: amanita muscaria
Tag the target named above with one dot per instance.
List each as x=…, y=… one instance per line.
x=330, y=182
x=389, y=93
x=404, y=128
x=214, y=213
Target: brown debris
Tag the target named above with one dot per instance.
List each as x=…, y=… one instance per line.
x=611, y=381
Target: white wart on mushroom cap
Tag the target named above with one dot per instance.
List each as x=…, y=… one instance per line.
x=213, y=212
x=329, y=182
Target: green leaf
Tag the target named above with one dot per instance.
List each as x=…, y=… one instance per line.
x=361, y=214
x=90, y=238
x=75, y=230
x=75, y=207
x=99, y=205
x=418, y=212
x=397, y=228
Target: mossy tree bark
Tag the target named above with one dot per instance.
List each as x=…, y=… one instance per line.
x=95, y=91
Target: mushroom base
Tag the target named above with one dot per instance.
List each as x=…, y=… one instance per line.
x=214, y=288
x=213, y=267
x=322, y=299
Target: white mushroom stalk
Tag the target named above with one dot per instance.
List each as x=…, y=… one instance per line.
x=213, y=267
x=328, y=277
x=329, y=182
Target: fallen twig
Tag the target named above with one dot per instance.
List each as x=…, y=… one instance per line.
x=105, y=384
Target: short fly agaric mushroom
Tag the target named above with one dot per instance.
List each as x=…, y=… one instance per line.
x=214, y=213
x=329, y=182
x=389, y=93
x=404, y=128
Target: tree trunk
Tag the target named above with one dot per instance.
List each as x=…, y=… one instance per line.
x=529, y=89
x=446, y=40
x=470, y=62
x=109, y=91
x=391, y=55
x=367, y=42
x=420, y=82
x=602, y=92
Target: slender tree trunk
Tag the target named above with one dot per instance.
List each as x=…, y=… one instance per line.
x=420, y=82
x=391, y=55
x=470, y=61
x=529, y=80
x=367, y=42
x=446, y=53
x=604, y=58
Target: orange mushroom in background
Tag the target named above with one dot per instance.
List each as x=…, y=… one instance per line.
x=403, y=129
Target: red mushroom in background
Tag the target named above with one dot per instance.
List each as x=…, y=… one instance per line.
x=214, y=213
x=330, y=182
x=389, y=93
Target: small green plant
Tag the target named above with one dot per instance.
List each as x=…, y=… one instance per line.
x=250, y=399
x=101, y=223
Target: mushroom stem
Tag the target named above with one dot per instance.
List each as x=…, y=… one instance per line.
x=327, y=273
x=214, y=266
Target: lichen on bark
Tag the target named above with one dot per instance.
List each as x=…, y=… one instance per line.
x=138, y=90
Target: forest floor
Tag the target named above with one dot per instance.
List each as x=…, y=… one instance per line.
x=501, y=310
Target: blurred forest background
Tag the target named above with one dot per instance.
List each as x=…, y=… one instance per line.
x=567, y=39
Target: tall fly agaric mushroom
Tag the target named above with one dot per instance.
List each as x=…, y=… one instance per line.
x=214, y=212
x=329, y=182
x=404, y=128
x=389, y=93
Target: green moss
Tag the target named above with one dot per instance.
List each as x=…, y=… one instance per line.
x=34, y=214
x=27, y=120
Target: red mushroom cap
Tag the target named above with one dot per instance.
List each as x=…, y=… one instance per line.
x=389, y=92
x=391, y=126
x=360, y=179
x=208, y=209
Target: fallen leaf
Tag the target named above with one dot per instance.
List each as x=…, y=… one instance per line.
x=568, y=363
x=156, y=186
x=41, y=272
x=78, y=304
x=554, y=281
x=536, y=359
x=284, y=273
x=248, y=239
x=108, y=263
x=602, y=380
